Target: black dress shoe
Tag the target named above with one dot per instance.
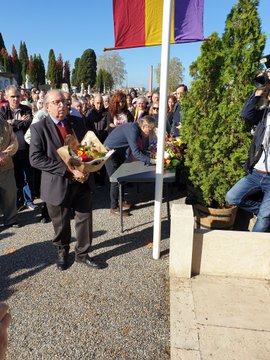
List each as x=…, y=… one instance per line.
x=62, y=262
x=88, y=262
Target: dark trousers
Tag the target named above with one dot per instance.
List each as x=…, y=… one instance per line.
x=78, y=197
x=24, y=177
x=112, y=164
x=100, y=176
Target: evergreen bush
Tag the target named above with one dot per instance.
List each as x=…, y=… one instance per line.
x=217, y=138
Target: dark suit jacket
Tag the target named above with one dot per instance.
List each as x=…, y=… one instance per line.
x=43, y=156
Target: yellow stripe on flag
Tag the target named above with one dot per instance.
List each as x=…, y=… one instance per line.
x=172, y=23
x=153, y=22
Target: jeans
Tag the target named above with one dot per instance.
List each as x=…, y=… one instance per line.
x=241, y=195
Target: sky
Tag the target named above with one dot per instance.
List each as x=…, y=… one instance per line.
x=71, y=27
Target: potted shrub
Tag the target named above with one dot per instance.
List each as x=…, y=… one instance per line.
x=217, y=138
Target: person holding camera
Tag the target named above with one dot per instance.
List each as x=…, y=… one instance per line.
x=246, y=193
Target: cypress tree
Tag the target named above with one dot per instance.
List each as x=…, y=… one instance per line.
x=74, y=77
x=10, y=64
x=87, y=68
x=216, y=136
x=66, y=76
x=2, y=44
x=31, y=70
x=24, y=60
x=16, y=65
x=59, y=71
x=51, y=69
x=41, y=70
x=5, y=57
x=99, y=81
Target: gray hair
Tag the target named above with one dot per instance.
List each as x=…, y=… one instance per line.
x=48, y=95
x=142, y=99
x=147, y=120
x=11, y=87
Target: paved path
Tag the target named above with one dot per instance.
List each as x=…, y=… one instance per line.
x=220, y=318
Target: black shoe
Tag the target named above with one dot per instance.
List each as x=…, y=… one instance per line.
x=88, y=262
x=62, y=262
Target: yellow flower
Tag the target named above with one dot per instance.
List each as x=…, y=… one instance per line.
x=80, y=153
x=168, y=162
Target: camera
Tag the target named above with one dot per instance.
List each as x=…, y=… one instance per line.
x=263, y=79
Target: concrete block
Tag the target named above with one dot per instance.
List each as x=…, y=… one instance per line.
x=231, y=253
x=181, y=240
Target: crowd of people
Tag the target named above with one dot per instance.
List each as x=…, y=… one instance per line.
x=100, y=113
x=34, y=124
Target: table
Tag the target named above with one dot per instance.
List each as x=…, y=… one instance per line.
x=138, y=172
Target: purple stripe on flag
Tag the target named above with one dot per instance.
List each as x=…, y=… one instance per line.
x=188, y=21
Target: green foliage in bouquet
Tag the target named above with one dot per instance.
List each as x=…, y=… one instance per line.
x=217, y=138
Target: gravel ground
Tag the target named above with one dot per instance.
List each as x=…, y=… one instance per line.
x=120, y=312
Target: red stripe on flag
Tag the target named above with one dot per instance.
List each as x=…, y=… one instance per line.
x=129, y=23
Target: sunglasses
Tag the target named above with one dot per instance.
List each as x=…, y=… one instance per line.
x=155, y=108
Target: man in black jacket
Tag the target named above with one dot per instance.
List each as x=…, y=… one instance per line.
x=20, y=117
x=62, y=187
x=257, y=165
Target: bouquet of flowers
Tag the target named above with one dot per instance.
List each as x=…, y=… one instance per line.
x=173, y=152
x=86, y=153
x=89, y=156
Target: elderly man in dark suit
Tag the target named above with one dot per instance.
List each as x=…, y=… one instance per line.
x=63, y=188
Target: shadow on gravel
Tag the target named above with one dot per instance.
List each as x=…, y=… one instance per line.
x=27, y=261
x=129, y=242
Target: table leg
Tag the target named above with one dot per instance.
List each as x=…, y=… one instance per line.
x=121, y=206
x=168, y=201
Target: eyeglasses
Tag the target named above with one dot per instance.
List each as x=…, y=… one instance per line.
x=15, y=96
x=155, y=108
x=58, y=102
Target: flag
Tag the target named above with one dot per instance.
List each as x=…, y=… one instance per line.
x=138, y=23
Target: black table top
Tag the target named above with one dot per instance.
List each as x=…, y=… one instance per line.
x=137, y=171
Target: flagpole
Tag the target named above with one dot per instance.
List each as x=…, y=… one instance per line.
x=151, y=79
x=165, y=54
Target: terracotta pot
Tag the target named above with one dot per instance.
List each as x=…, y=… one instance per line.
x=212, y=218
